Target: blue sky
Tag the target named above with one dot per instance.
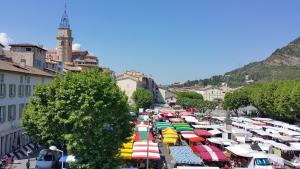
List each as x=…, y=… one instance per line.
x=173, y=40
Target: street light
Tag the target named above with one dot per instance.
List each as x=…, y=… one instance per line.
x=54, y=148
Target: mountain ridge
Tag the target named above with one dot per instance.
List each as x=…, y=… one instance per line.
x=282, y=64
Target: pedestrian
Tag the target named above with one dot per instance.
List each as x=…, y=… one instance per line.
x=226, y=166
x=165, y=165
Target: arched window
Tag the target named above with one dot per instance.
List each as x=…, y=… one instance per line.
x=62, y=43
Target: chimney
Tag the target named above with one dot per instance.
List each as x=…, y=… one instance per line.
x=23, y=63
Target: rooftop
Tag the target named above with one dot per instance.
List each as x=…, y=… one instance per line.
x=26, y=45
x=12, y=67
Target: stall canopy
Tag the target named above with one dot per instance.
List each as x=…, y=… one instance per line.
x=143, y=135
x=139, y=151
x=169, y=136
x=190, y=119
x=168, y=114
x=203, y=133
x=188, y=134
x=214, y=132
x=162, y=125
x=126, y=150
x=182, y=127
x=196, y=139
x=221, y=141
x=184, y=155
x=209, y=153
x=175, y=120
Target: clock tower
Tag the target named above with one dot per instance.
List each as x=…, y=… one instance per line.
x=64, y=39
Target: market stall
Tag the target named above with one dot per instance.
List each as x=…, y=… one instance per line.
x=143, y=135
x=143, y=150
x=162, y=125
x=202, y=133
x=170, y=136
x=209, y=153
x=183, y=155
x=188, y=134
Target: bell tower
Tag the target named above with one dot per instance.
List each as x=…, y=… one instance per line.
x=64, y=39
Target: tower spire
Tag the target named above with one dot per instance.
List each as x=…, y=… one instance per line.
x=64, y=22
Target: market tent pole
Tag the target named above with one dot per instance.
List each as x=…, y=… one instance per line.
x=148, y=145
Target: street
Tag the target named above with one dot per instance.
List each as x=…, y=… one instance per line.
x=21, y=164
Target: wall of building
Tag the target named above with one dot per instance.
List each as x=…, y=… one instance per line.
x=212, y=94
x=10, y=128
x=18, y=56
x=128, y=86
x=64, y=44
x=35, y=57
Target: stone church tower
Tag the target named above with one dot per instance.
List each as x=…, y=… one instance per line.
x=64, y=40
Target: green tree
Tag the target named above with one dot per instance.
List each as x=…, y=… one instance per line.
x=277, y=99
x=142, y=98
x=86, y=111
x=189, y=99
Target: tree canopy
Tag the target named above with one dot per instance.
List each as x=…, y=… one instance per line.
x=279, y=99
x=188, y=99
x=142, y=98
x=86, y=111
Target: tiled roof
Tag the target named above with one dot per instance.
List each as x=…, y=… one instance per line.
x=12, y=67
x=27, y=45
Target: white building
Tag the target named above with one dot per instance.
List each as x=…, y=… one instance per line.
x=129, y=81
x=211, y=93
x=17, y=83
x=165, y=96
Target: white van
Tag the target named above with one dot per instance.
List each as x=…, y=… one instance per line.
x=47, y=159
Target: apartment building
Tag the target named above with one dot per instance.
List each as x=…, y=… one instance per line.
x=129, y=81
x=17, y=82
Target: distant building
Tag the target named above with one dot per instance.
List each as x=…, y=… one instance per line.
x=129, y=81
x=31, y=55
x=17, y=82
x=212, y=93
x=165, y=96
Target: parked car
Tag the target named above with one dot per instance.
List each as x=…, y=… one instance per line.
x=47, y=159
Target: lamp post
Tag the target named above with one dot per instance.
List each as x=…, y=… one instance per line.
x=147, y=164
x=54, y=148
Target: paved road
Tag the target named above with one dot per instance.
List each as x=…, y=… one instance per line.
x=21, y=164
x=165, y=155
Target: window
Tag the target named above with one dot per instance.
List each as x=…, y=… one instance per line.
x=2, y=90
x=2, y=114
x=28, y=79
x=12, y=90
x=21, y=107
x=21, y=90
x=1, y=78
x=62, y=43
x=21, y=79
x=28, y=49
x=11, y=112
x=43, y=79
x=27, y=90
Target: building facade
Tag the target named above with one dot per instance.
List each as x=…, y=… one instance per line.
x=29, y=54
x=16, y=87
x=129, y=81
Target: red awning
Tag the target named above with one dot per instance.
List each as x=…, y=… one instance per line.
x=209, y=153
x=168, y=114
x=203, y=133
x=196, y=139
x=140, y=149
